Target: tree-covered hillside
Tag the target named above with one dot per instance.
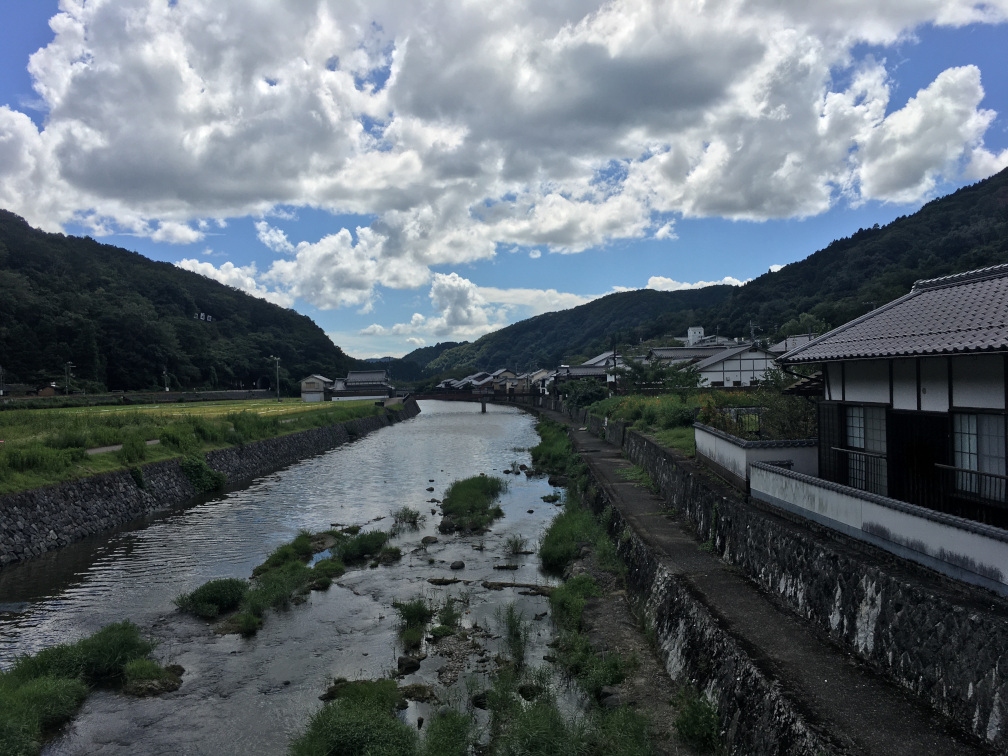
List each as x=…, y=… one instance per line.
x=547, y=340
x=123, y=319
x=963, y=231
x=966, y=230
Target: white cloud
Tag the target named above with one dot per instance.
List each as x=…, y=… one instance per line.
x=243, y=278
x=465, y=311
x=274, y=238
x=533, y=301
x=176, y=233
x=902, y=157
x=775, y=268
x=660, y=283
x=538, y=126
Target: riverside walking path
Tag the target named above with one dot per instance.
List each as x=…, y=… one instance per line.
x=861, y=712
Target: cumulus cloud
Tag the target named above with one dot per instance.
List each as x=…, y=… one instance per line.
x=243, y=278
x=274, y=238
x=901, y=158
x=660, y=283
x=555, y=126
x=176, y=233
x=465, y=311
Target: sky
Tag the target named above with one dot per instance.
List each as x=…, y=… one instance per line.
x=407, y=172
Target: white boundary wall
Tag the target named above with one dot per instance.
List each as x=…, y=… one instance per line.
x=960, y=548
x=735, y=455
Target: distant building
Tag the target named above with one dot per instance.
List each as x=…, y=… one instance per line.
x=791, y=342
x=316, y=388
x=683, y=355
x=695, y=337
x=740, y=366
x=720, y=366
x=364, y=384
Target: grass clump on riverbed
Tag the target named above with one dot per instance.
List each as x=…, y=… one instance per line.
x=285, y=578
x=468, y=504
x=414, y=616
x=569, y=531
x=214, y=598
x=361, y=721
x=553, y=453
x=41, y=692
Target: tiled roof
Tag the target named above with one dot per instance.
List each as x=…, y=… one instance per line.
x=966, y=312
x=583, y=371
x=791, y=342
x=366, y=376
x=727, y=354
x=685, y=353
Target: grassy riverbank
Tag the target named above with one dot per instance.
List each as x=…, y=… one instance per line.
x=41, y=447
x=40, y=693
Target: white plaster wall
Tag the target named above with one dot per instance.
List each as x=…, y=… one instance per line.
x=978, y=381
x=832, y=387
x=933, y=538
x=804, y=459
x=867, y=381
x=737, y=459
x=905, y=384
x=937, y=540
x=934, y=384
x=841, y=508
x=724, y=453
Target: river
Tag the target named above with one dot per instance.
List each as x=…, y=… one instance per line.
x=253, y=695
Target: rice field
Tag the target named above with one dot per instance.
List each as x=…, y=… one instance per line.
x=44, y=446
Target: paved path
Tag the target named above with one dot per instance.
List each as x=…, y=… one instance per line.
x=836, y=694
x=117, y=447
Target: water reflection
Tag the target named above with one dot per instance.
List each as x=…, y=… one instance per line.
x=136, y=572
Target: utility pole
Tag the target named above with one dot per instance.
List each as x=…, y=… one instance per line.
x=276, y=360
x=66, y=388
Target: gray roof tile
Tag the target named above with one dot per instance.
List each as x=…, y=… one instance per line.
x=966, y=312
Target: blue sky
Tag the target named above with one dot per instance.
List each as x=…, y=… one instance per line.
x=413, y=173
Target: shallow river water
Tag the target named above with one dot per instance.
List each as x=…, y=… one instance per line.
x=254, y=695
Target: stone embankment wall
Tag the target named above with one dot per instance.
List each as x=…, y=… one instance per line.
x=758, y=719
x=33, y=522
x=944, y=641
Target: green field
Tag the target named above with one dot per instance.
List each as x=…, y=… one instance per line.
x=43, y=446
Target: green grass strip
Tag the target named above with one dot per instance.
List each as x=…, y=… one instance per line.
x=40, y=693
x=469, y=504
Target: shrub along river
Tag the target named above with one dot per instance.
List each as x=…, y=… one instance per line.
x=254, y=695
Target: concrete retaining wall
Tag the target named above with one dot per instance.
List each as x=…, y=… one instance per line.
x=37, y=521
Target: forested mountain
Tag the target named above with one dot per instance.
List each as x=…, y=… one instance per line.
x=123, y=319
x=425, y=355
x=965, y=230
x=546, y=340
